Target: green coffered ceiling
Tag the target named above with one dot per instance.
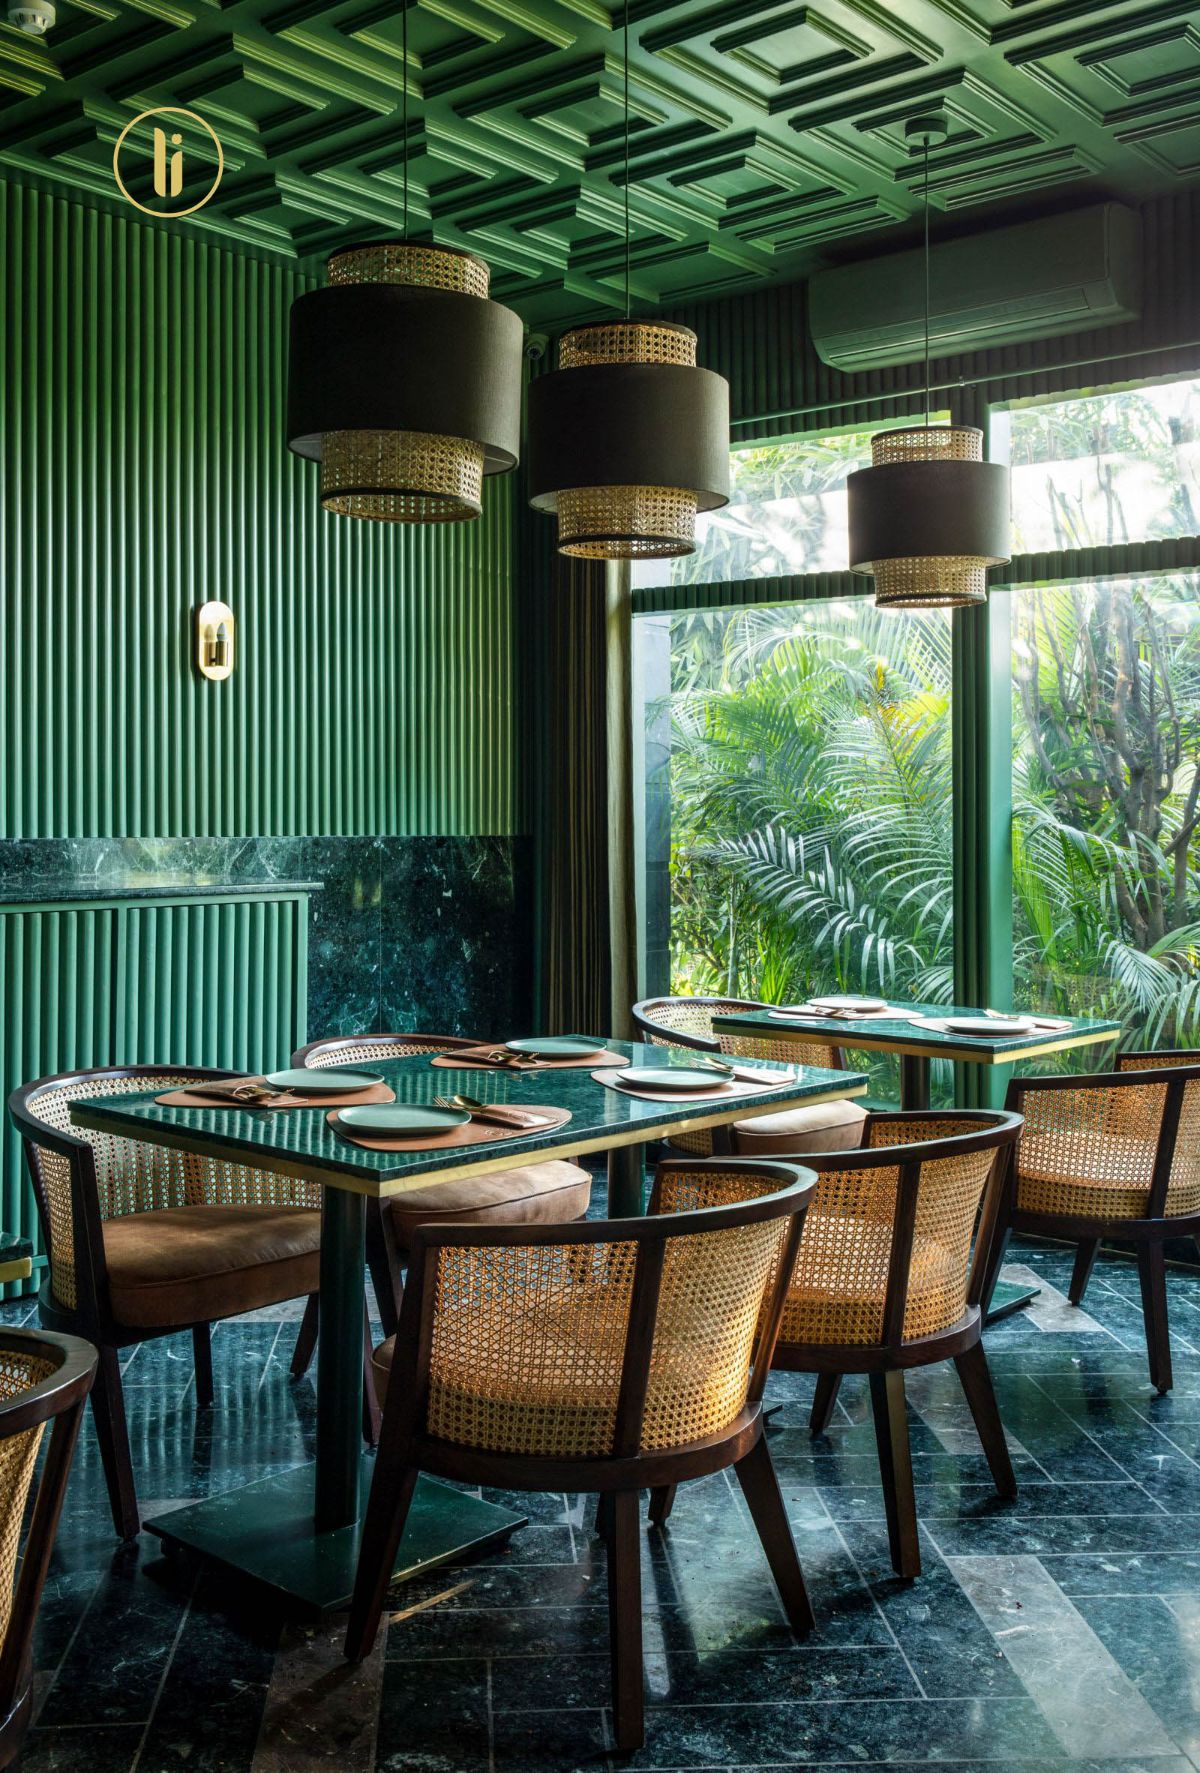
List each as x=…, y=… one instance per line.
x=765, y=136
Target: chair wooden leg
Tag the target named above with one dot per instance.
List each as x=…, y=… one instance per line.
x=306, y=1340
x=824, y=1402
x=760, y=1487
x=387, y=1511
x=383, y=1265
x=202, y=1359
x=972, y=1370
x=372, y=1413
x=662, y=1501
x=625, y=1619
x=603, y=1510
x=1081, y=1274
x=895, y=1469
x=1152, y=1272
x=108, y=1412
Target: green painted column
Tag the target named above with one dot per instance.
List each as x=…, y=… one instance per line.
x=982, y=762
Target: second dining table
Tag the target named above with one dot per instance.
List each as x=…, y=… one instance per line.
x=299, y=1532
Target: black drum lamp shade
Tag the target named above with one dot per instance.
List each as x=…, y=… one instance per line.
x=628, y=440
x=404, y=382
x=928, y=517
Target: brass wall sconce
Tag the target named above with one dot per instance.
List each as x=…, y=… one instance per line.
x=215, y=627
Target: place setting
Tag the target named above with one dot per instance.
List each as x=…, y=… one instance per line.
x=556, y=1052
x=700, y=1079
x=290, y=1088
x=444, y=1121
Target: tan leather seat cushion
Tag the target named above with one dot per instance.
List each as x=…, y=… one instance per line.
x=818, y=1126
x=536, y=1194
x=187, y=1265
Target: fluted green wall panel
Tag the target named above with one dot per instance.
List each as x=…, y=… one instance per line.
x=200, y=982
x=145, y=471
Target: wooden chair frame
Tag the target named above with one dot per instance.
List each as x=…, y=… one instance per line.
x=406, y=1447
x=1147, y=1235
x=885, y=1362
x=92, y=1316
x=58, y=1398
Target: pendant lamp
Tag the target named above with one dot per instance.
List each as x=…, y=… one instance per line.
x=929, y=516
x=404, y=379
x=628, y=439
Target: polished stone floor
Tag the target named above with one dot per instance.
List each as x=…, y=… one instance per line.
x=1060, y=1632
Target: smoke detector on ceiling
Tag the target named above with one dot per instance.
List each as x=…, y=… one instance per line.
x=35, y=20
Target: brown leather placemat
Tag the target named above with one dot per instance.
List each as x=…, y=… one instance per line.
x=379, y=1092
x=467, y=1061
x=473, y=1132
x=729, y=1092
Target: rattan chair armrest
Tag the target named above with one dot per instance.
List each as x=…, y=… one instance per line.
x=66, y=1385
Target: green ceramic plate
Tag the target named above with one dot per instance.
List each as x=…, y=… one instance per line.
x=556, y=1046
x=672, y=1077
x=403, y=1117
x=322, y=1083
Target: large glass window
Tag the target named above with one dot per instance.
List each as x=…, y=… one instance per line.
x=803, y=753
x=1110, y=468
x=786, y=514
x=1106, y=791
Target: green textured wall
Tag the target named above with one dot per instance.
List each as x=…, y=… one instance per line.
x=145, y=471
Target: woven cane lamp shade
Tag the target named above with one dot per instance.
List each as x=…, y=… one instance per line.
x=405, y=383
x=928, y=517
x=628, y=439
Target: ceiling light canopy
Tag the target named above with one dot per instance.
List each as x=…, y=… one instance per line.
x=405, y=383
x=628, y=440
x=929, y=516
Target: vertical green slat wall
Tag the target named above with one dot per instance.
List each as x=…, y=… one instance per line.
x=145, y=470
x=205, y=982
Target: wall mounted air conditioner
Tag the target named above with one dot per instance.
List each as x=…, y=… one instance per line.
x=1033, y=280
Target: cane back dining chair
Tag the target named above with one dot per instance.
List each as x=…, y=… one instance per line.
x=1112, y=1156
x=793, y=1132
x=603, y=1356
x=43, y=1378
x=889, y=1277
x=531, y=1194
x=146, y=1242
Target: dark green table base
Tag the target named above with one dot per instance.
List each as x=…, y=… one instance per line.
x=265, y=1530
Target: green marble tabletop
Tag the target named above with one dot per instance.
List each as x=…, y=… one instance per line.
x=899, y=1035
x=299, y=1141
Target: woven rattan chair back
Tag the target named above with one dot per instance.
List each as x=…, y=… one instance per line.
x=359, y=1049
x=43, y=1378
x=1112, y=1146
x=600, y=1340
x=886, y=1256
x=110, y=1176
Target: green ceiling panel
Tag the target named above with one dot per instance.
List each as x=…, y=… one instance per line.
x=764, y=136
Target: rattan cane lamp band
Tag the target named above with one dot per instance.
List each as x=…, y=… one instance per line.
x=928, y=517
x=628, y=440
x=431, y=479
x=405, y=383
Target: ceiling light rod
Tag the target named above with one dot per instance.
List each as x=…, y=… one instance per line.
x=929, y=516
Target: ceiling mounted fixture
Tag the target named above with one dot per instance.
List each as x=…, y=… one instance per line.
x=628, y=439
x=929, y=516
x=404, y=380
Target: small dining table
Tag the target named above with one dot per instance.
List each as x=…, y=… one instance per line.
x=299, y=1532
x=906, y=1033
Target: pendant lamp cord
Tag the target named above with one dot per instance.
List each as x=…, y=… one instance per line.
x=628, y=304
x=404, y=105
x=926, y=206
